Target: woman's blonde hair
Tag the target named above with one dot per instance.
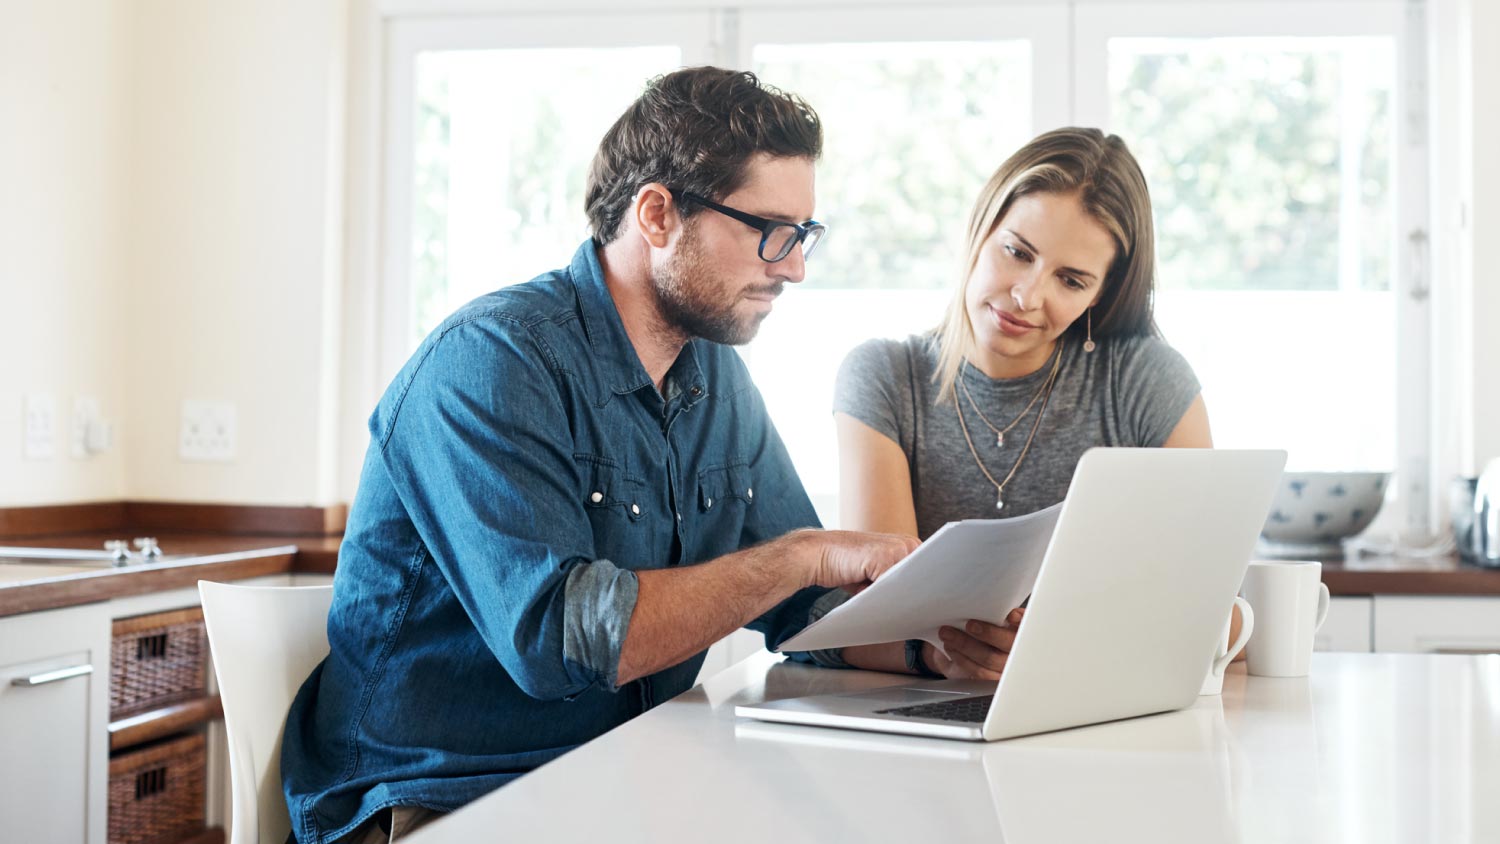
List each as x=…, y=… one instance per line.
x=1109, y=183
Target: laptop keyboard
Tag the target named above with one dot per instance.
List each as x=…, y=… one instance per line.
x=971, y=709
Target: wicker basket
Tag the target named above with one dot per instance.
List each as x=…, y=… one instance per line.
x=157, y=793
x=155, y=660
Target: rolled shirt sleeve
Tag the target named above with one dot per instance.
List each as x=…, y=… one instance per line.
x=599, y=599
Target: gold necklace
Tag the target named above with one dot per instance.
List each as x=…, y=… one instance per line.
x=964, y=426
x=1001, y=432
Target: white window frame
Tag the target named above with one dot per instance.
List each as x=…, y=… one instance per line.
x=1044, y=25
x=405, y=38
x=1070, y=86
x=1412, y=510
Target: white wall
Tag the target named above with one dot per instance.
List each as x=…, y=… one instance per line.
x=171, y=227
x=236, y=232
x=63, y=327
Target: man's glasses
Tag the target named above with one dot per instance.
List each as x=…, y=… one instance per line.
x=776, y=237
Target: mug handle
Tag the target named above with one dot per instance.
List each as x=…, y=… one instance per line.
x=1323, y=601
x=1247, y=624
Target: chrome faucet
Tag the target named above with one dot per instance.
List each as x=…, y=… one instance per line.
x=146, y=547
x=120, y=554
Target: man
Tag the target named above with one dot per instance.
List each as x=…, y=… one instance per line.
x=573, y=488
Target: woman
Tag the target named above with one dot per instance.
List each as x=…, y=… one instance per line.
x=1048, y=349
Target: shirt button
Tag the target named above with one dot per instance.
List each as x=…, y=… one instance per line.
x=750, y=492
x=696, y=390
x=597, y=497
x=708, y=502
x=636, y=509
x=679, y=517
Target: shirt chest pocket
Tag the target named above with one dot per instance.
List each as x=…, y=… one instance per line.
x=608, y=490
x=725, y=488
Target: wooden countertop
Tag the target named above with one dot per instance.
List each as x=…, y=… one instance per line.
x=1445, y=575
x=216, y=557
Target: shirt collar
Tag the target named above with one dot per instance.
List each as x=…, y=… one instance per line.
x=615, y=358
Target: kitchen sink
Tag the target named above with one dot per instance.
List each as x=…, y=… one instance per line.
x=113, y=555
x=13, y=573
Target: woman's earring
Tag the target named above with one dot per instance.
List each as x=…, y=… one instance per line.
x=1088, y=344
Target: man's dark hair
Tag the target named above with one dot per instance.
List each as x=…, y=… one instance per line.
x=694, y=130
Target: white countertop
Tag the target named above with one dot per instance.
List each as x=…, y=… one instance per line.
x=1369, y=748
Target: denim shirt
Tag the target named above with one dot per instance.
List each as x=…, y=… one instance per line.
x=522, y=468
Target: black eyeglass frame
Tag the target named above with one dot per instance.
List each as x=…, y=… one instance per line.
x=809, y=229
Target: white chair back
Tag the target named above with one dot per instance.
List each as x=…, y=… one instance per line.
x=265, y=641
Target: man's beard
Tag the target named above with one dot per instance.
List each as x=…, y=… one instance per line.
x=693, y=302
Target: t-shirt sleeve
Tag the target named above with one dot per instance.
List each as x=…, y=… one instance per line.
x=1155, y=388
x=873, y=386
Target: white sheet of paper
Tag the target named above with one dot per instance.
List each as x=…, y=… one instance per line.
x=978, y=568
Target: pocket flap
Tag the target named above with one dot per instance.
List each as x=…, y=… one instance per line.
x=605, y=484
x=725, y=483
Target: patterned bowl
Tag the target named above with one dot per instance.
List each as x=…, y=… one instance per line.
x=1314, y=512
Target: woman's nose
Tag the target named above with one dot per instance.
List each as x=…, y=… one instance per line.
x=1026, y=294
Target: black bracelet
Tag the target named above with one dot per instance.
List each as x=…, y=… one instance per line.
x=914, y=662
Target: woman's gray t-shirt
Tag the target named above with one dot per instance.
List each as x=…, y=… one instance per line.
x=1130, y=391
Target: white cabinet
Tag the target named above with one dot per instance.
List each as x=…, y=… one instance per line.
x=54, y=710
x=1348, y=626
x=54, y=724
x=1437, y=624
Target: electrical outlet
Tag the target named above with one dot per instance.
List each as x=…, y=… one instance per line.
x=41, y=427
x=208, y=431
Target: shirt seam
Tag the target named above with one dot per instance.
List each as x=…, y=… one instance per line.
x=550, y=359
x=377, y=672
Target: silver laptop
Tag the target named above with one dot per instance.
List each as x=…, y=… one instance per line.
x=1134, y=589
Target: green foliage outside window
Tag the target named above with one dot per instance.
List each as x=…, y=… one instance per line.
x=1243, y=148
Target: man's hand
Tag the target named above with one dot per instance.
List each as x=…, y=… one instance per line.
x=978, y=652
x=682, y=611
x=849, y=558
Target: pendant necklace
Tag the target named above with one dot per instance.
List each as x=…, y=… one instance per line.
x=1001, y=432
x=1046, y=394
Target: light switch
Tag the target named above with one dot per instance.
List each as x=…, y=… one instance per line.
x=40, y=430
x=88, y=433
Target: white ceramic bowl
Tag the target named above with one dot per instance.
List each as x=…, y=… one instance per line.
x=1314, y=512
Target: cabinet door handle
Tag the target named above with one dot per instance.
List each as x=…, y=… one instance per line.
x=53, y=676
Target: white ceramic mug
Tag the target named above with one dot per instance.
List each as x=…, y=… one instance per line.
x=1213, y=683
x=1291, y=602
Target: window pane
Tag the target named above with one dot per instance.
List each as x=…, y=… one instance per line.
x=1269, y=160
x=502, y=147
x=911, y=133
x=1270, y=167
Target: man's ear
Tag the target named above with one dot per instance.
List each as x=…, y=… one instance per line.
x=655, y=214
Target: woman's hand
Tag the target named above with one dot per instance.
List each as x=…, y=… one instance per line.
x=977, y=652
